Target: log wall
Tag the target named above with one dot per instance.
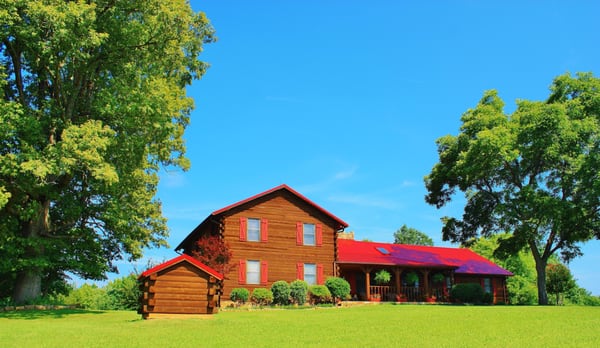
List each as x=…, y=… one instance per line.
x=280, y=251
x=179, y=289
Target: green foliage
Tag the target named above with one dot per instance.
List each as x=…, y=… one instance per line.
x=559, y=280
x=338, y=287
x=298, y=291
x=411, y=278
x=319, y=294
x=467, y=293
x=382, y=277
x=124, y=293
x=532, y=173
x=281, y=292
x=93, y=105
x=239, y=295
x=89, y=296
x=409, y=235
x=521, y=290
x=438, y=278
x=262, y=296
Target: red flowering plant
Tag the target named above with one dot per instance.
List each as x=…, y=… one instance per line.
x=214, y=252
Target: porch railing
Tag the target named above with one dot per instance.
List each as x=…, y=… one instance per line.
x=406, y=293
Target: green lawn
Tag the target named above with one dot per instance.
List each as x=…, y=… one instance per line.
x=383, y=325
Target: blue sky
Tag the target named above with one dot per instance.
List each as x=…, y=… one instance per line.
x=343, y=101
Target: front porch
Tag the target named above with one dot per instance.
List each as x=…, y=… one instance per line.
x=405, y=285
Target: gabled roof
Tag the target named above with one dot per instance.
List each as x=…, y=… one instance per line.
x=279, y=188
x=464, y=261
x=180, y=259
x=283, y=187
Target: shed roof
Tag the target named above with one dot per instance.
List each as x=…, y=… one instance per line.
x=283, y=187
x=464, y=261
x=180, y=259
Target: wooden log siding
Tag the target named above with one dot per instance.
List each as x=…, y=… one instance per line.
x=282, y=212
x=180, y=289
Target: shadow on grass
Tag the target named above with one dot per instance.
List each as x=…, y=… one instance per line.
x=44, y=314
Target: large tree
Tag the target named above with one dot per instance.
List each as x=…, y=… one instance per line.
x=533, y=173
x=410, y=235
x=93, y=105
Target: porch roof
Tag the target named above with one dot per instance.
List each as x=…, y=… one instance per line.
x=463, y=260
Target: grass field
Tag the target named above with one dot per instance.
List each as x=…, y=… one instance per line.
x=383, y=325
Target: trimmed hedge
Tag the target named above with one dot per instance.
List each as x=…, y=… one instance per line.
x=298, y=291
x=319, y=294
x=281, y=292
x=339, y=287
x=467, y=293
x=262, y=296
x=239, y=295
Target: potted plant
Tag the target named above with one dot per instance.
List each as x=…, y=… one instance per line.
x=411, y=278
x=382, y=277
x=438, y=278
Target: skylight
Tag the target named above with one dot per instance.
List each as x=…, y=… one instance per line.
x=382, y=250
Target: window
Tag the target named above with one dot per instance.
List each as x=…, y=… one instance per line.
x=312, y=273
x=309, y=234
x=253, y=230
x=252, y=272
x=487, y=285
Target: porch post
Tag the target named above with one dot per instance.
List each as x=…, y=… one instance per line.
x=426, y=283
x=397, y=272
x=368, y=282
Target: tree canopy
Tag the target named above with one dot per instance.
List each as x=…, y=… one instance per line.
x=532, y=173
x=409, y=235
x=93, y=105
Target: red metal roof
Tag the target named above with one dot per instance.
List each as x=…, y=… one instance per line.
x=464, y=261
x=182, y=258
x=275, y=189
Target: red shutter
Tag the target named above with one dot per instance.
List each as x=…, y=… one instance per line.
x=264, y=230
x=300, y=271
x=299, y=233
x=319, y=234
x=319, y=274
x=243, y=229
x=264, y=275
x=242, y=272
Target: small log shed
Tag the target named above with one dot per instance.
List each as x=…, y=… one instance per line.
x=182, y=285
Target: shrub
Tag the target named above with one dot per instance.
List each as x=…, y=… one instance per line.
x=239, y=295
x=319, y=294
x=298, y=291
x=124, y=293
x=339, y=287
x=262, y=296
x=487, y=298
x=281, y=292
x=467, y=293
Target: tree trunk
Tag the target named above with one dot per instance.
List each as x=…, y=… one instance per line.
x=540, y=267
x=28, y=285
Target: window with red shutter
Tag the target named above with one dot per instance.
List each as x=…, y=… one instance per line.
x=242, y=272
x=264, y=230
x=299, y=233
x=264, y=275
x=300, y=271
x=319, y=274
x=243, y=231
x=319, y=234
